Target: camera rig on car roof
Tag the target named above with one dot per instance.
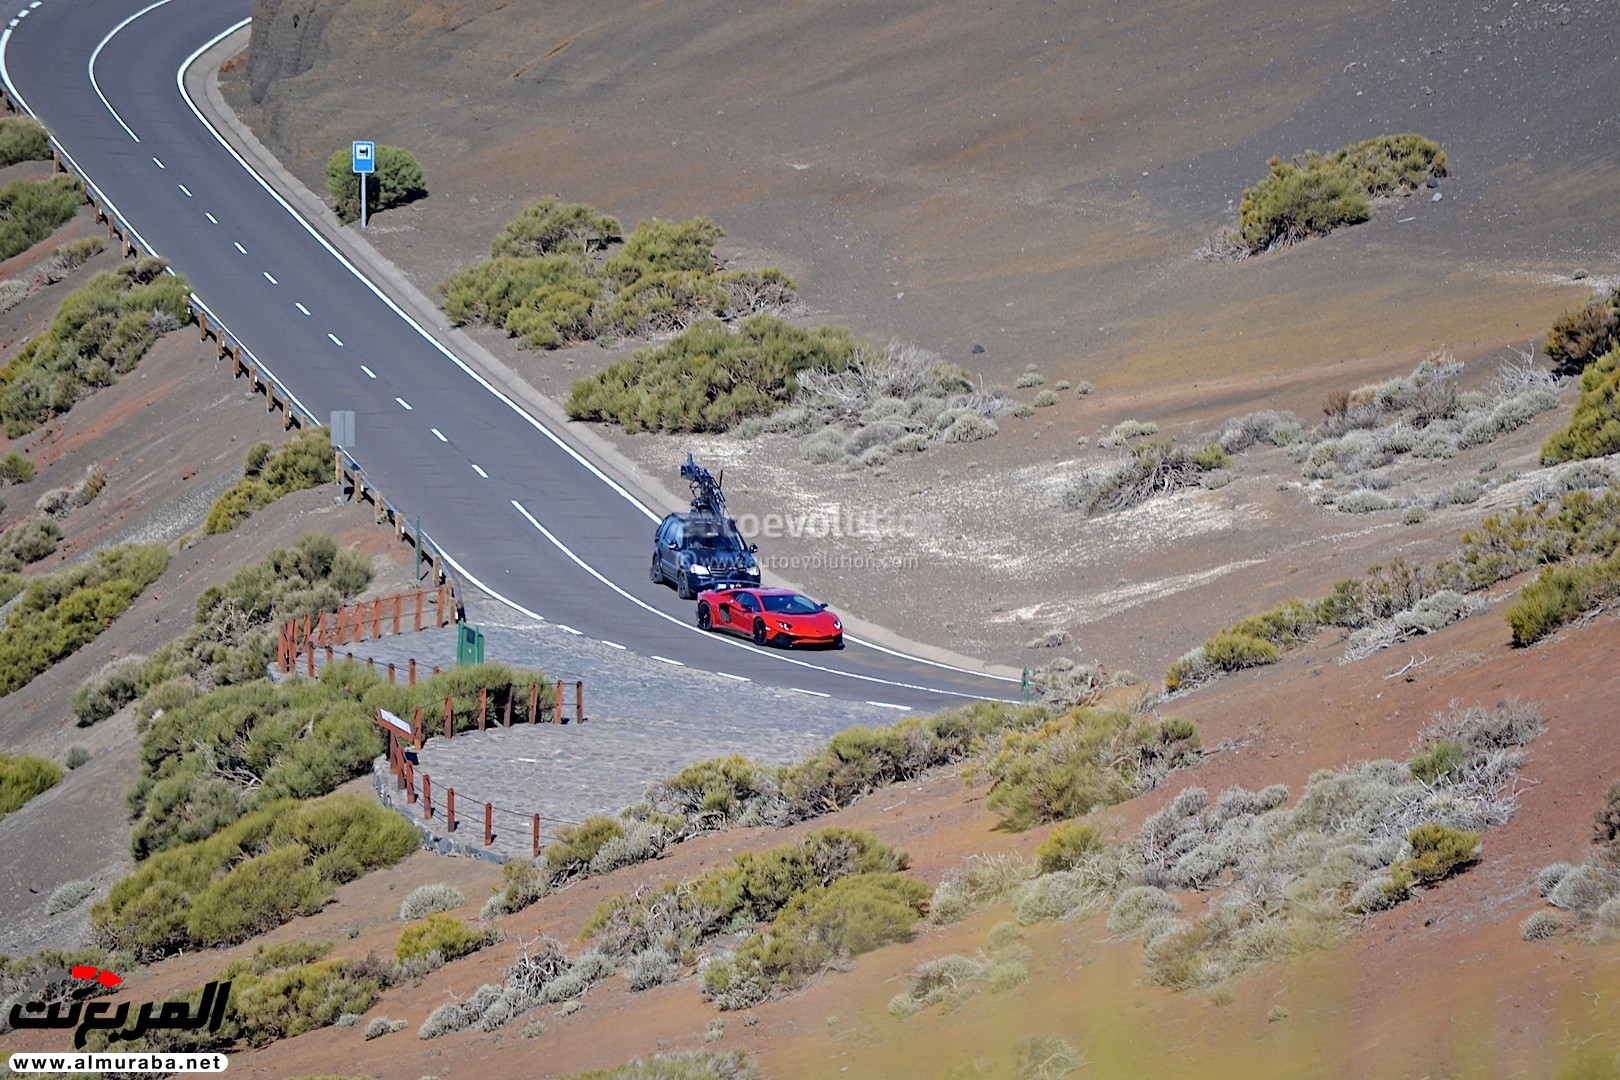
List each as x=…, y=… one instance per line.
x=707, y=497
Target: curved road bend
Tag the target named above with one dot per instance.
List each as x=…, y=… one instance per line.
x=522, y=515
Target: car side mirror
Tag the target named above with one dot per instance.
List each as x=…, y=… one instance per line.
x=823, y=607
x=670, y=544
x=752, y=548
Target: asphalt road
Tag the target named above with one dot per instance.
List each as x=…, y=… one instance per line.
x=524, y=515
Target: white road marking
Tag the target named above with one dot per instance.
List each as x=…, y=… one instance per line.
x=667, y=660
x=690, y=628
x=437, y=434
x=565, y=628
x=614, y=645
x=160, y=164
x=270, y=279
x=811, y=693
x=480, y=472
x=186, y=190
x=211, y=217
x=95, y=54
x=369, y=373
x=888, y=705
x=338, y=342
x=302, y=309
x=729, y=675
x=239, y=246
x=402, y=402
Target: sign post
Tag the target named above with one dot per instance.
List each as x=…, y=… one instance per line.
x=365, y=163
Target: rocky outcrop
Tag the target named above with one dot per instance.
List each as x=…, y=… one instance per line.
x=286, y=41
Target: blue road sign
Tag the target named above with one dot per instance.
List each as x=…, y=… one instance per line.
x=365, y=157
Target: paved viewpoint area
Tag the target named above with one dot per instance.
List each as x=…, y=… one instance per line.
x=644, y=720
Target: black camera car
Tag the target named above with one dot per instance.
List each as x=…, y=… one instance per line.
x=702, y=548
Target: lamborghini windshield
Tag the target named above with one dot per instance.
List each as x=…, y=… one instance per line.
x=793, y=604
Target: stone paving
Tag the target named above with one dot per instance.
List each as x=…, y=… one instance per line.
x=645, y=720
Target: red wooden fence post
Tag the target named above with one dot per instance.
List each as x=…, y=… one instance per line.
x=427, y=797
x=390, y=671
x=579, y=701
x=410, y=782
x=537, y=836
x=447, y=728
x=483, y=705
x=506, y=714
x=419, y=609
x=329, y=654
x=309, y=652
x=489, y=824
x=376, y=618
x=450, y=810
x=534, y=703
x=399, y=604
x=411, y=672
x=416, y=727
x=556, y=714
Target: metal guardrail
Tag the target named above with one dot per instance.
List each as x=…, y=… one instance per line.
x=276, y=392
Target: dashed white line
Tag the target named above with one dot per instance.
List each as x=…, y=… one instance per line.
x=211, y=217
x=667, y=660
x=479, y=470
x=369, y=373
x=186, y=190
x=270, y=279
x=160, y=164
x=239, y=246
x=338, y=342
x=565, y=628
x=302, y=310
x=811, y=693
x=402, y=402
x=729, y=675
x=889, y=705
x=437, y=434
x=614, y=645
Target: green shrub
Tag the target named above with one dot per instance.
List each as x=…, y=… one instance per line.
x=680, y=1065
x=108, y=690
x=68, y=896
x=30, y=211
x=28, y=542
x=101, y=330
x=63, y=611
x=1437, y=851
x=1312, y=195
x=15, y=469
x=1067, y=844
x=549, y=227
x=1594, y=429
x=1559, y=595
x=279, y=862
x=428, y=899
x=1089, y=758
x=522, y=883
x=577, y=845
x=22, y=139
x=816, y=928
x=1606, y=822
x=1578, y=337
x=709, y=377
x=1440, y=759
x=659, y=246
x=76, y=755
x=753, y=887
x=397, y=180
x=441, y=933
x=22, y=777
x=303, y=461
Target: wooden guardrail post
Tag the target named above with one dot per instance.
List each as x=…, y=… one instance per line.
x=399, y=602
x=534, y=703
x=376, y=619
x=556, y=714
x=410, y=782
x=579, y=701
x=448, y=728
x=419, y=610
x=489, y=824
x=450, y=809
x=391, y=672
x=427, y=797
x=537, y=836
x=416, y=727
x=506, y=714
x=411, y=673
x=483, y=706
